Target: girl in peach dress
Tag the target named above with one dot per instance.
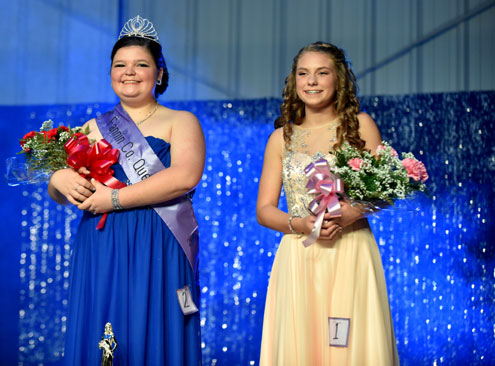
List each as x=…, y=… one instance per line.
x=327, y=303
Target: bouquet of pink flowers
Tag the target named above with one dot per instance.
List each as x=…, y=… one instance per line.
x=372, y=181
x=380, y=178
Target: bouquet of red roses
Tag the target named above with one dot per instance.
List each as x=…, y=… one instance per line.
x=52, y=149
x=43, y=152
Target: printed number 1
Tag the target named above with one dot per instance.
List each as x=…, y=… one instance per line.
x=336, y=330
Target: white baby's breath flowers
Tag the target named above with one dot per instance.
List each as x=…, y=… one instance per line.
x=375, y=179
x=47, y=125
x=64, y=136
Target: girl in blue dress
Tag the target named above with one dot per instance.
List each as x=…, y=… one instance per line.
x=139, y=272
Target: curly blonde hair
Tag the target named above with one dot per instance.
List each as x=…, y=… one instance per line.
x=292, y=110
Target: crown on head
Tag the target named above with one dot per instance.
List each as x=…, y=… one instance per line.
x=139, y=27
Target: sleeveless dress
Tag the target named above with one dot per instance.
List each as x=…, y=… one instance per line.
x=314, y=290
x=127, y=274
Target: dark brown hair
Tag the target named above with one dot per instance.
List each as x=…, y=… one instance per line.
x=155, y=50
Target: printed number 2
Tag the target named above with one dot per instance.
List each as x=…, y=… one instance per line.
x=184, y=295
x=186, y=301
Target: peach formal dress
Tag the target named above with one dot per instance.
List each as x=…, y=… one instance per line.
x=343, y=280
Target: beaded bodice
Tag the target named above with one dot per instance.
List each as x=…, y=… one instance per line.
x=307, y=145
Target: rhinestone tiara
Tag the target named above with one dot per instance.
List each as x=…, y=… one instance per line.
x=139, y=27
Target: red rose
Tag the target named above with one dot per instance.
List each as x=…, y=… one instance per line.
x=63, y=128
x=51, y=134
x=26, y=137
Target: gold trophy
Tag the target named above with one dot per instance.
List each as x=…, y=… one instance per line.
x=107, y=344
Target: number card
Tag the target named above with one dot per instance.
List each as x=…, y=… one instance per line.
x=185, y=301
x=339, y=331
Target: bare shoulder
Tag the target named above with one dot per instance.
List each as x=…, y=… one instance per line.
x=181, y=117
x=368, y=131
x=275, y=141
x=170, y=123
x=94, y=132
x=365, y=120
x=91, y=123
x=181, y=127
x=277, y=137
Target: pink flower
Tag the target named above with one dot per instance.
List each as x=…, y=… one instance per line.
x=381, y=148
x=415, y=169
x=355, y=164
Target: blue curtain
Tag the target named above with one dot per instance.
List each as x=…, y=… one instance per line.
x=439, y=262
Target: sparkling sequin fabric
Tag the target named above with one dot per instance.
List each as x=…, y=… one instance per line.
x=306, y=146
x=439, y=263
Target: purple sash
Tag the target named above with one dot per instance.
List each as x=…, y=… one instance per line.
x=139, y=162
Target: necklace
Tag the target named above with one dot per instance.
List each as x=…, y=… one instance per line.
x=149, y=115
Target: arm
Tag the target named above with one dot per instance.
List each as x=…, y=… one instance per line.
x=185, y=171
x=368, y=131
x=267, y=211
x=67, y=186
x=270, y=185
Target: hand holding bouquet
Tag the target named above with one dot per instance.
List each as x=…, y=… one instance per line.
x=371, y=181
x=52, y=149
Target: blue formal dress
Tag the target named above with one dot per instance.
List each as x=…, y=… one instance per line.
x=127, y=274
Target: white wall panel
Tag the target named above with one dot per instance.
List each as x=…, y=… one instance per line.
x=482, y=51
x=224, y=49
x=177, y=28
x=256, y=51
x=55, y=54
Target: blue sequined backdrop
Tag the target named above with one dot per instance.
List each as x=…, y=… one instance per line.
x=439, y=263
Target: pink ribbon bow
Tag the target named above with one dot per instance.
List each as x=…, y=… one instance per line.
x=326, y=186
